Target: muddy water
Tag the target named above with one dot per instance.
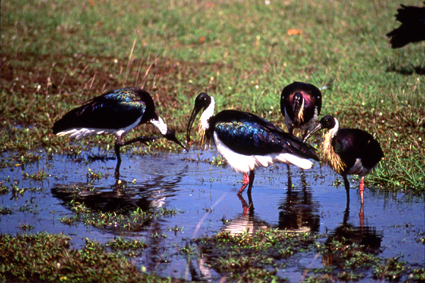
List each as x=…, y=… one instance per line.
x=205, y=196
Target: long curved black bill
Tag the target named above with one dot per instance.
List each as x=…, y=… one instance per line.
x=312, y=132
x=189, y=125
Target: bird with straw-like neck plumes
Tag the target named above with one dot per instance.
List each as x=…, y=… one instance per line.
x=300, y=104
x=247, y=141
x=348, y=151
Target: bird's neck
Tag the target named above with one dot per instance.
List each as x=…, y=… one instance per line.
x=301, y=112
x=329, y=155
x=207, y=114
x=335, y=129
x=204, y=124
x=160, y=125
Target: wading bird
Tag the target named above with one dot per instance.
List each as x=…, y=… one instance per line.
x=115, y=112
x=247, y=141
x=412, y=28
x=348, y=151
x=300, y=104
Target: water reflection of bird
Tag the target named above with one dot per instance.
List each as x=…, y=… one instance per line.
x=412, y=28
x=147, y=195
x=115, y=112
x=300, y=104
x=247, y=141
x=348, y=151
x=298, y=212
x=366, y=238
x=246, y=222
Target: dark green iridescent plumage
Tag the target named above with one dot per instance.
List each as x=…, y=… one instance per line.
x=353, y=144
x=116, y=109
x=249, y=134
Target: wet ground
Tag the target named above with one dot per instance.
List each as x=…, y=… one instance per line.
x=205, y=198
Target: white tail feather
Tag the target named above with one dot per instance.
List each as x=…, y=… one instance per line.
x=288, y=158
x=79, y=133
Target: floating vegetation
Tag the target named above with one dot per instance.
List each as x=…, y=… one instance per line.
x=26, y=227
x=130, y=248
x=218, y=161
x=133, y=221
x=4, y=189
x=5, y=210
x=40, y=175
x=91, y=175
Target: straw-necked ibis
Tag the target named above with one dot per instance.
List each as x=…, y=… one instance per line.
x=247, y=141
x=412, y=28
x=115, y=112
x=348, y=151
x=300, y=104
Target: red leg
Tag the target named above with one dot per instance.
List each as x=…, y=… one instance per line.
x=361, y=189
x=244, y=183
x=247, y=179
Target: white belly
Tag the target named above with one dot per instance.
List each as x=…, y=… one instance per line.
x=246, y=163
x=358, y=169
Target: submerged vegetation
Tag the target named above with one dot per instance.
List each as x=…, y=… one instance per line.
x=55, y=55
x=244, y=257
x=247, y=258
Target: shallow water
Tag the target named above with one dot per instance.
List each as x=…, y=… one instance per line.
x=206, y=199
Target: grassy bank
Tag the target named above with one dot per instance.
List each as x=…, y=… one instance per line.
x=58, y=54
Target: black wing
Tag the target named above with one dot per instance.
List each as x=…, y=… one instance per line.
x=113, y=110
x=249, y=134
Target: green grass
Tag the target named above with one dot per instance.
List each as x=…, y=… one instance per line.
x=50, y=258
x=56, y=55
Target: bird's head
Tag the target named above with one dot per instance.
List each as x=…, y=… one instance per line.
x=327, y=122
x=167, y=133
x=202, y=102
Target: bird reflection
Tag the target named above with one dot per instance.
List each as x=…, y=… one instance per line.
x=248, y=208
x=246, y=222
x=298, y=211
x=121, y=196
x=366, y=237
